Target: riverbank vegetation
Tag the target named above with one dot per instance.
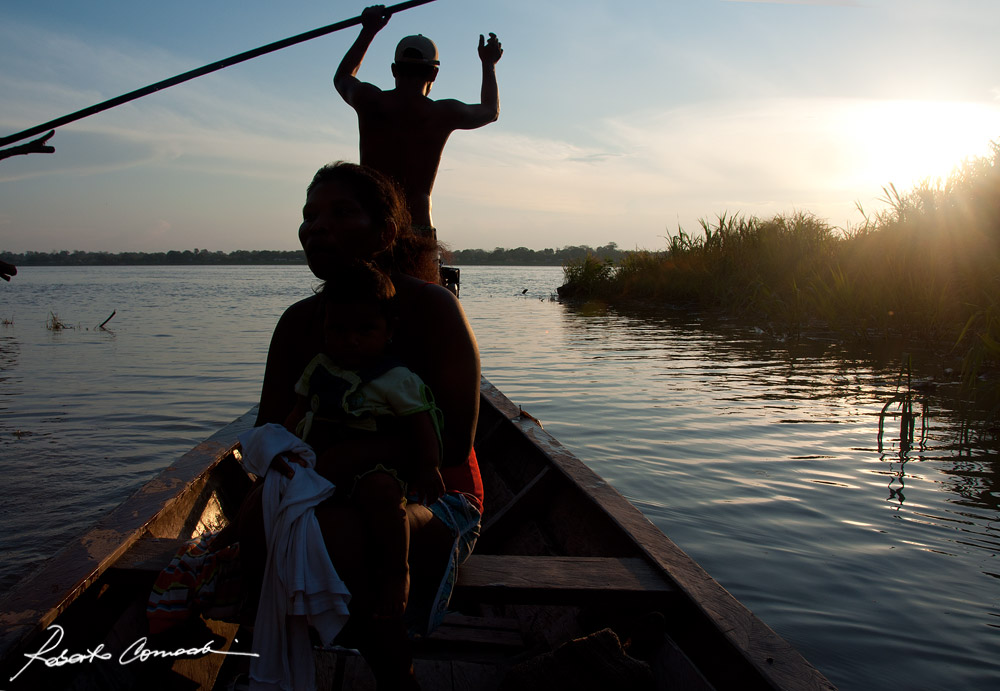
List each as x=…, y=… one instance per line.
x=522, y=256
x=927, y=268
x=196, y=257
x=499, y=256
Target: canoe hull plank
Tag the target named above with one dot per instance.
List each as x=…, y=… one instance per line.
x=562, y=557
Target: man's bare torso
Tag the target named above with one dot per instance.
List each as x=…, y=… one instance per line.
x=403, y=132
x=403, y=136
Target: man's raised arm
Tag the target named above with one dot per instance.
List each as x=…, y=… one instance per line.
x=490, y=53
x=465, y=116
x=345, y=80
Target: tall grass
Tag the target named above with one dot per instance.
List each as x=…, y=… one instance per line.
x=744, y=264
x=589, y=276
x=927, y=267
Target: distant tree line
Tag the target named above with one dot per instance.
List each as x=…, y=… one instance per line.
x=520, y=256
x=173, y=257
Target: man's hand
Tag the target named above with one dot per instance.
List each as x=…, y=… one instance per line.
x=374, y=18
x=39, y=146
x=7, y=270
x=490, y=51
x=35, y=146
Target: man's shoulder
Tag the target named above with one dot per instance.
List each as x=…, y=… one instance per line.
x=358, y=94
x=461, y=115
x=449, y=105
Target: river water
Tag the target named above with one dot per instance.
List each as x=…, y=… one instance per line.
x=763, y=459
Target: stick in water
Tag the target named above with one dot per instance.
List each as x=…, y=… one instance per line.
x=113, y=313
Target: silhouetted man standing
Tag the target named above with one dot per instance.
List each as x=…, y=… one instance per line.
x=402, y=131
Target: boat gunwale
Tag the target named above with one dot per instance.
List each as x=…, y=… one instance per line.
x=26, y=611
x=774, y=658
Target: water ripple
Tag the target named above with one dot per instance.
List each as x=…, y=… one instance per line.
x=762, y=459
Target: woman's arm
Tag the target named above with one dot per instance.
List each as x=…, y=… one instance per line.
x=293, y=419
x=457, y=378
x=425, y=455
x=438, y=344
x=293, y=343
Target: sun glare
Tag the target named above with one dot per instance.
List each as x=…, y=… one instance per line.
x=905, y=142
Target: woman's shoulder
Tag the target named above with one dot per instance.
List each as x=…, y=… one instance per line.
x=302, y=311
x=298, y=330
x=432, y=326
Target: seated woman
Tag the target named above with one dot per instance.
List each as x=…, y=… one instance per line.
x=354, y=214
x=355, y=389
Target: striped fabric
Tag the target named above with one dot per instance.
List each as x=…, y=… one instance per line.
x=196, y=581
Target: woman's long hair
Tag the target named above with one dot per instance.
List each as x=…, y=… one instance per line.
x=405, y=251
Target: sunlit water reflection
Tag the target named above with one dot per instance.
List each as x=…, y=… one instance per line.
x=761, y=459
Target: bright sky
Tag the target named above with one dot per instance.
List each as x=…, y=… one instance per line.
x=620, y=121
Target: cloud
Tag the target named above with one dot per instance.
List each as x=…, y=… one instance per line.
x=227, y=156
x=596, y=157
x=845, y=3
x=222, y=123
x=657, y=169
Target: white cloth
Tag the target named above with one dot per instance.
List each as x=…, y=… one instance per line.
x=301, y=587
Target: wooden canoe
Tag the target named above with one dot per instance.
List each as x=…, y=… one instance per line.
x=563, y=557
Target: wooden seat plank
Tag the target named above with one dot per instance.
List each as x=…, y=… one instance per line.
x=477, y=631
x=498, y=578
x=558, y=579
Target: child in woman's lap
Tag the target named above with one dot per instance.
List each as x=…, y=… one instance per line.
x=352, y=395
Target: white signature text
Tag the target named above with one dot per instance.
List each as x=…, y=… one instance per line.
x=137, y=651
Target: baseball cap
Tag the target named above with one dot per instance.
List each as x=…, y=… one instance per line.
x=418, y=50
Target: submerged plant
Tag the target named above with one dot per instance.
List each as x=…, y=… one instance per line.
x=54, y=324
x=907, y=418
x=982, y=336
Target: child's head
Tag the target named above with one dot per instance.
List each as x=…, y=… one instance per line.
x=358, y=314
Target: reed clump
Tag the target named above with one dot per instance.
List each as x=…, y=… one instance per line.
x=928, y=267
x=587, y=277
x=745, y=264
